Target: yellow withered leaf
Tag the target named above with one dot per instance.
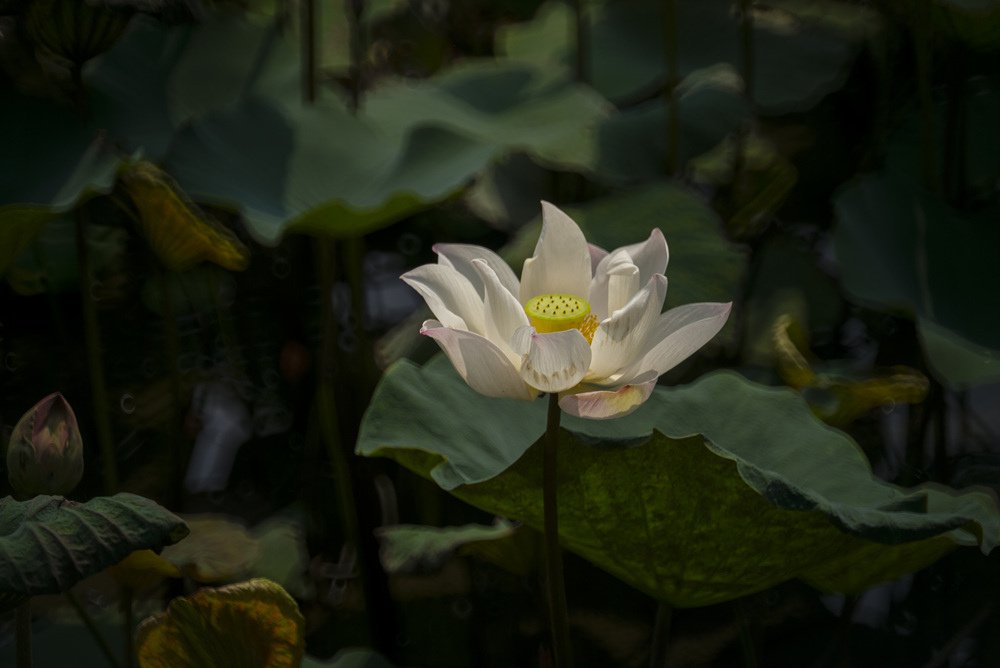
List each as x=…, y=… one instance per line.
x=252, y=624
x=179, y=232
x=836, y=399
x=142, y=570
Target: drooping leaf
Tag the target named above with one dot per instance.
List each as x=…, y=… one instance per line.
x=252, y=624
x=704, y=266
x=179, y=232
x=142, y=570
x=217, y=549
x=48, y=543
x=905, y=250
x=409, y=547
x=836, y=398
x=706, y=493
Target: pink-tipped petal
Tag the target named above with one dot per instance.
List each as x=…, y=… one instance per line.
x=479, y=362
x=561, y=263
x=449, y=295
x=461, y=256
x=607, y=404
x=679, y=333
x=552, y=362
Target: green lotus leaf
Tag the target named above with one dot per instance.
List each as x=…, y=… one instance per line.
x=39, y=180
x=252, y=624
x=48, y=543
x=797, y=60
x=902, y=249
x=706, y=493
x=350, y=658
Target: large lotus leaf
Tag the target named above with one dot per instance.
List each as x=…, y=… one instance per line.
x=317, y=169
x=633, y=144
x=505, y=104
x=48, y=544
x=707, y=492
x=903, y=249
x=797, y=60
x=158, y=77
x=704, y=266
x=50, y=163
x=253, y=624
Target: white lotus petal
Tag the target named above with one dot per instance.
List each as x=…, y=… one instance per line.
x=596, y=255
x=561, y=263
x=598, y=291
x=622, y=338
x=651, y=255
x=552, y=362
x=623, y=283
x=461, y=256
x=607, y=404
x=679, y=333
x=449, y=295
x=503, y=313
x=479, y=362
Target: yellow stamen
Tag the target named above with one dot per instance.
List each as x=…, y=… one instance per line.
x=556, y=313
x=589, y=326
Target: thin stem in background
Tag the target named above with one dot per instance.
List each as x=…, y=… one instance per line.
x=659, y=650
x=95, y=632
x=171, y=344
x=309, y=54
x=555, y=586
x=24, y=634
x=922, y=53
x=355, y=19
x=746, y=636
x=747, y=51
x=128, y=619
x=581, y=42
x=670, y=88
x=98, y=383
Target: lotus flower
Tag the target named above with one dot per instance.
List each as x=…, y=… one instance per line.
x=581, y=322
x=45, y=455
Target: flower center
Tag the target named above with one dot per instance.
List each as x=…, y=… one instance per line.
x=557, y=313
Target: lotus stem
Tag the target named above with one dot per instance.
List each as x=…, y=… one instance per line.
x=746, y=636
x=95, y=632
x=98, y=383
x=670, y=88
x=922, y=54
x=746, y=47
x=355, y=20
x=128, y=615
x=581, y=42
x=172, y=347
x=24, y=634
x=661, y=635
x=556, y=587
x=309, y=56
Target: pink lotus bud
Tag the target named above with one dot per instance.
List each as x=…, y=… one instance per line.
x=45, y=455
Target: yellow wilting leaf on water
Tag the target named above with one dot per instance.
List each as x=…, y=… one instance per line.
x=837, y=399
x=252, y=624
x=217, y=550
x=179, y=232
